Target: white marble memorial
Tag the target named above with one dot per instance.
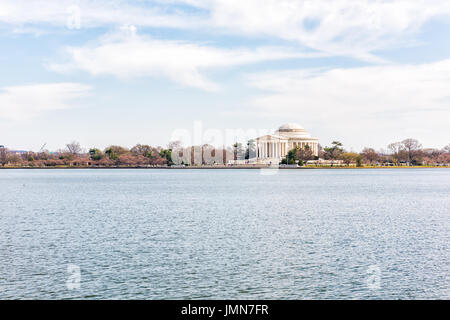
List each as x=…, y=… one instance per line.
x=273, y=147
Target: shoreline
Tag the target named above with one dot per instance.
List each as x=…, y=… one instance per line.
x=228, y=167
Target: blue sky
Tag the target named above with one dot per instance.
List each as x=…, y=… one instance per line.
x=364, y=72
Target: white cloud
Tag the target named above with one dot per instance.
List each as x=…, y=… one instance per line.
x=340, y=27
x=92, y=13
x=367, y=105
x=127, y=55
x=27, y=101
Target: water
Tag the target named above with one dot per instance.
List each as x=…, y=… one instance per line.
x=225, y=234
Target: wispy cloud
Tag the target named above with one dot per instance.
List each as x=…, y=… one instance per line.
x=91, y=13
x=341, y=27
x=125, y=55
x=27, y=101
x=354, y=28
x=383, y=102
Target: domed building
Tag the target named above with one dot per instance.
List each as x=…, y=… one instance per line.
x=273, y=147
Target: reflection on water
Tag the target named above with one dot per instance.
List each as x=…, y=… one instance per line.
x=225, y=234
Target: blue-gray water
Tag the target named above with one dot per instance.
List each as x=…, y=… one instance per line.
x=231, y=234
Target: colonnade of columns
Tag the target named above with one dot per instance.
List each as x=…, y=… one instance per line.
x=279, y=149
x=272, y=149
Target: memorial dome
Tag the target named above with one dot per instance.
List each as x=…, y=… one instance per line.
x=292, y=130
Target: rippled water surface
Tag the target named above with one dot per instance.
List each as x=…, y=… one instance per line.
x=225, y=234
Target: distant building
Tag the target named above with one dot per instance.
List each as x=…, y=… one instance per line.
x=273, y=147
x=18, y=152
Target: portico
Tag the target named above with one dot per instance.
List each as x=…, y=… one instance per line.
x=272, y=148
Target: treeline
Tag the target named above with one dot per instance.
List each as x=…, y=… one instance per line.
x=406, y=152
x=74, y=155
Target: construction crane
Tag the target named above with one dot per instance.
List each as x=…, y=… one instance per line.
x=42, y=148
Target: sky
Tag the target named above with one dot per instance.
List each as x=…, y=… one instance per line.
x=103, y=72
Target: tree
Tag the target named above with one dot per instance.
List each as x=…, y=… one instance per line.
x=105, y=161
x=74, y=148
x=444, y=158
x=114, y=152
x=175, y=145
x=359, y=161
x=349, y=157
x=128, y=159
x=141, y=150
x=369, y=155
x=287, y=160
x=167, y=154
x=250, y=151
x=413, y=149
x=397, y=152
x=304, y=154
x=334, y=152
x=431, y=156
x=96, y=154
x=446, y=149
x=3, y=156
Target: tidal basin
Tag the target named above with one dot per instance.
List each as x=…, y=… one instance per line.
x=225, y=234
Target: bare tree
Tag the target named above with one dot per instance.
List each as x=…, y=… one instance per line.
x=3, y=156
x=369, y=155
x=447, y=148
x=397, y=151
x=74, y=148
x=175, y=145
x=413, y=149
x=304, y=154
